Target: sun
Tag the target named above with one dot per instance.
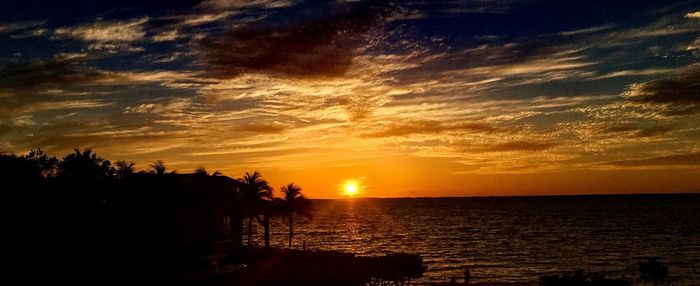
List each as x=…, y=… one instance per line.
x=350, y=189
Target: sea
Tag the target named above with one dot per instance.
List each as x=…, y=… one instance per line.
x=511, y=240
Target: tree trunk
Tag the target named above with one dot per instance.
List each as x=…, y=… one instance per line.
x=291, y=229
x=266, y=224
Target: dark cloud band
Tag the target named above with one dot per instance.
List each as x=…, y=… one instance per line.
x=322, y=46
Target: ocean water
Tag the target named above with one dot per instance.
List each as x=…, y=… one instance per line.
x=513, y=240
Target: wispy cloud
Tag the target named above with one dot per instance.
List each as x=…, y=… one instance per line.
x=239, y=4
x=640, y=131
x=691, y=159
x=205, y=18
x=695, y=45
x=18, y=26
x=106, y=31
x=590, y=30
x=636, y=73
x=681, y=91
x=429, y=127
x=522, y=146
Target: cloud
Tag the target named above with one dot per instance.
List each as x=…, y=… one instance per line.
x=692, y=159
x=18, y=26
x=355, y=96
x=489, y=67
x=635, y=73
x=216, y=14
x=682, y=91
x=105, y=31
x=587, y=30
x=430, y=127
x=323, y=46
x=240, y=4
x=650, y=34
x=522, y=145
x=62, y=81
x=30, y=33
x=205, y=18
x=143, y=108
x=65, y=70
x=267, y=127
x=164, y=107
x=558, y=65
x=653, y=131
x=48, y=76
x=62, y=69
x=117, y=140
x=640, y=132
x=695, y=45
x=165, y=36
x=694, y=15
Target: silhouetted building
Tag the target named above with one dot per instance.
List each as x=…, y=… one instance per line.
x=203, y=213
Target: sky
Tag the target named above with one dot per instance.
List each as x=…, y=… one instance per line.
x=405, y=98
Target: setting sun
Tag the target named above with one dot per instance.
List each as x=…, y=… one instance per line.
x=350, y=189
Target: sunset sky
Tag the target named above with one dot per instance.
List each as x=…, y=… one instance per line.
x=405, y=98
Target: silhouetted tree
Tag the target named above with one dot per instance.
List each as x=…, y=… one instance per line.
x=124, y=169
x=254, y=191
x=15, y=168
x=84, y=165
x=30, y=168
x=159, y=168
x=47, y=166
x=203, y=171
x=294, y=202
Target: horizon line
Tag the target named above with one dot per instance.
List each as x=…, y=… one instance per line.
x=696, y=192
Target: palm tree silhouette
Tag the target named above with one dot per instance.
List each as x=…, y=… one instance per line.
x=85, y=165
x=158, y=168
x=203, y=171
x=124, y=169
x=295, y=202
x=254, y=192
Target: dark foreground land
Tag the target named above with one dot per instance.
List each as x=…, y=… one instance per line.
x=79, y=221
